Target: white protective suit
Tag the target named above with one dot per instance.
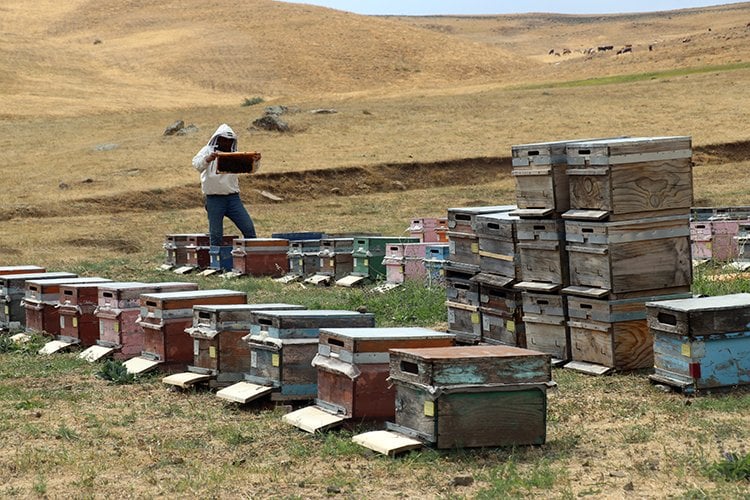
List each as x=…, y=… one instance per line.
x=211, y=182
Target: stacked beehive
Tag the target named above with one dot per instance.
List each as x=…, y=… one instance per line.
x=542, y=197
x=500, y=306
x=720, y=233
x=463, y=264
x=628, y=243
x=335, y=260
x=367, y=258
x=407, y=261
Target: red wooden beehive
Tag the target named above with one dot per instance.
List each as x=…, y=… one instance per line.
x=260, y=256
x=42, y=300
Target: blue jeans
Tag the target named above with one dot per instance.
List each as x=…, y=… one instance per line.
x=219, y=206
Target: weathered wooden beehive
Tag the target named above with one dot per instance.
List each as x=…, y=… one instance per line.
x=42, y=301
x=724, y=241
x=164, y=317
x=12, y=292
x=629, y=178
x=470, y=396
x=543, y=259
x=434, y=262
x=701, y=240
x=701, y=343
x=462, y=232
x=198, y=248
x=336, y=260
x=414, y=260
x=282, y=346
x=429, y=229
x=118, y=310
x=541, y=181
x=394, y=263
x=545, y=317
x=367, y=258
x=175, y=248
x=497, y=239
x=260, y=256
x=501, y=311
x=220, y=354
x=610, y=333
x=462, y=293
x=353, y=366
x=78, y=323
x=630, y=256
x=303, y=255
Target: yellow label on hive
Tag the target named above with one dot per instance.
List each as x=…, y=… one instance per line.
x=331, y=262
x=475, y=248
x=510, y=325
x=212, y=351
x=7, y=310
x=117, y=327
x=75, y=322
x=685, y=350
x=274, y=360
x=475, y=318
x=429, y=408
x=366, y=262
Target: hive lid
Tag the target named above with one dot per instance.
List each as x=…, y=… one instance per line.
x=313, y=419
x=186, y=379
x=386, y=333
x=466, y=352
x=136, y=366
x=56, y=346
x=717, y=303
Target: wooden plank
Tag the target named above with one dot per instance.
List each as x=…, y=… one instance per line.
x=96, y=352
x=186, y=379
x=243, y=392
x=313, y=419
x=387, y=442
x=533, y=286
x=350, y=281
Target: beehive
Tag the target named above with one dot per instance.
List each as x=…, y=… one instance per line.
x=260, y=256
x=13, y=290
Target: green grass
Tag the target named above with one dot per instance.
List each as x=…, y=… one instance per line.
x=637, y=77
x=732, y=467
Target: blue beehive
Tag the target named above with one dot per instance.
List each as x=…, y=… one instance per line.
x=221, y=257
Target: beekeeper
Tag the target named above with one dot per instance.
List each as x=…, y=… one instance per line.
x=221, y=191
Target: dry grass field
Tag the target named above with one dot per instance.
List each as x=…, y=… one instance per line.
x=427, y=110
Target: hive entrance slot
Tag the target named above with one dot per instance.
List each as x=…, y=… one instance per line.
x=409, y=367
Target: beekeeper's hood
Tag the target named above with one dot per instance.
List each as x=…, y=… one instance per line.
x=224, y=130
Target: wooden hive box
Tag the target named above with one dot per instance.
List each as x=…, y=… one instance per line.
x=724, y=244
x=282, y=346
x=164, y=317
x=700, y=240
x=462, y=294
x=542, y=255
x=369, y=252
x=218, y=346
x=497, y=239
x=414, y=260
x=260, y=256
x=198, y=250
x=118, y=310
x=353, y=367
x=42, y=302
x=303, y=257
x=336, y=258
x=175, y=247
x=630, y=256
x=701, y=343
x=300, y=236
x=501, y=311
x=12, y=292
x=612, y=333
x=539, y=171
x=78, y=323
x=435, y=258
x=429, y=229
x=462, y=219
x=25, y=269
x=630, y=178
x=545, y=316
x=471, y=396
x=394, y=263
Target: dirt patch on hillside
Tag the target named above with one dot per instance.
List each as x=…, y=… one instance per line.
x=337, y=182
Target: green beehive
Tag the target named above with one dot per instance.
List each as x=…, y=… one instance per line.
x=368, y=254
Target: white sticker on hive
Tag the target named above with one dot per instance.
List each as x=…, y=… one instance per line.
x=75, y=322
x=7, y=310
x=196, y=347
x=254, y=359
x=274, y=360
x=212, y=351
x=62, y=321
x=429, y=408
x=451, y=316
